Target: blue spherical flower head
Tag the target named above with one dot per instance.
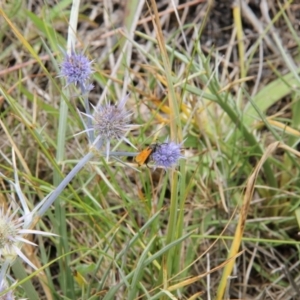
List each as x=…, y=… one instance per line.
x=77, y=69
x=167, y=155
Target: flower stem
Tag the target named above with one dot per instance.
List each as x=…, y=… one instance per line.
x=64, y=183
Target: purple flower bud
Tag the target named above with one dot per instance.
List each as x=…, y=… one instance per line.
x=77, y=69
x=167, y=155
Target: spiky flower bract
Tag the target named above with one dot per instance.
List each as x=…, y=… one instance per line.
x=111, y=122
x=166, y=155
x=12, y=233
x=77, y=69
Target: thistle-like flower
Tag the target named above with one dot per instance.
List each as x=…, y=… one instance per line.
x=77, y=69
x=111, y=122
x=166, y=155
x=12, y=232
